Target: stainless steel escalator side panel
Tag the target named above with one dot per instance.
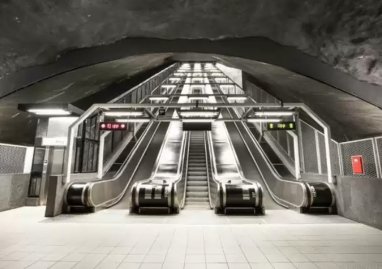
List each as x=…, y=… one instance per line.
x=109, y=192
x=291, y=193
x=182, y=182
x=288, y=192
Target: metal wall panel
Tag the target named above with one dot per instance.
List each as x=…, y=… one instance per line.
x=360, y=147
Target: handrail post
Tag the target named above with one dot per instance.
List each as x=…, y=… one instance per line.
x=296, y=152
x=100, y=154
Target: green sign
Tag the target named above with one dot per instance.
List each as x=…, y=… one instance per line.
x=285, y=125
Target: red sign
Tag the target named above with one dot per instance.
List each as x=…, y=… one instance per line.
x=357, y=164
x=112, y=126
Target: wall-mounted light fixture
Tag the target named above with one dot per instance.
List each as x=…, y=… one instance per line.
x=48, y=110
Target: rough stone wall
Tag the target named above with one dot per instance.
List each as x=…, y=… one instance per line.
x=346, y=34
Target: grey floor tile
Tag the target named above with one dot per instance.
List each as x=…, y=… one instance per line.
x=129, y=265
x=150, y=266
x=262, y=265
x=63, y=265
x=195, y=258
x=236, y=258
x=173, y=265
x=239, y=266
x=217, y=266
x=40, y=265
x=16, y=264
x=134, y=258
x=283, y=266
x=305, y=265
x=219, y=258
x=195, y=266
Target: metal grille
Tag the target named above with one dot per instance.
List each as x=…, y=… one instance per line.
x=309, y=147
x=259, y=95
x=12, y=159
x=378, y=142
x=321, y=147
x=290, y=146
x=335, y=158
x=360, y=147
x=87, y=143
x=282, y=139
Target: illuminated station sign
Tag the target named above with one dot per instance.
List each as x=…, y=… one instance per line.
x=277, y=126
x=112, y=126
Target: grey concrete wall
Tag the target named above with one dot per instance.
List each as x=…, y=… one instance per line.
x=13, y=190
x=360, y=199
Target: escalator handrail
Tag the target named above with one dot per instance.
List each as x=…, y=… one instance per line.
x=120, y=170
x=116, y=199
x=208, y=171
x=265, y=155
x=215, y=176
x=183, y=202
x=274, y=197
x=178, y=176
x=240, y=169
x=305, y=201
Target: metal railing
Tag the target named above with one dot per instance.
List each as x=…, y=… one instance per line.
x=86, y=147
x=314, y=146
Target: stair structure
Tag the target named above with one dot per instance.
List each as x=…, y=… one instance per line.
x=197, y=181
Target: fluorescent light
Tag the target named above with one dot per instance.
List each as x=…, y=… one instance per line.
x=49, y=111
x=197, y=98
x=201, y=114
x=263, y=120
x=123, y=113
x=197, y=120
x=274, y=113
x=154, y=98
x=237, y=98
x=168, y=86
x=133, y=120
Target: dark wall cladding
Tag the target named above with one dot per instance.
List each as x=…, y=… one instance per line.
x=364, y=148
x=12, y=159
x=258, y=94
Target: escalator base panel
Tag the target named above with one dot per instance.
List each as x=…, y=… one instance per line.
x=81, y=209
x=318, y=210
x=239, y=210
x=154, y=210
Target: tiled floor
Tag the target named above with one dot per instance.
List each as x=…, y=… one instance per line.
x=193, y=239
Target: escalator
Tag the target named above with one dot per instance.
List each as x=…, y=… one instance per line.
x=110, y=191
x=276, y=162
x=305, y=196
x=197, y=180
x=116, y=166
x=250, y=169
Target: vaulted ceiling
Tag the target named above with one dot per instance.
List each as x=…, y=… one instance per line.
x=317, y=52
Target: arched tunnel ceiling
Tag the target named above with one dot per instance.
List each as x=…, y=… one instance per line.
x=348, y=116
x=335, y=42
x=345, y=34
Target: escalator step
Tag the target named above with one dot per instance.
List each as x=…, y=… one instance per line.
x=197, y=199
x=201, y=178
x=197, y=173
x=197, y=188
x=196, y=194
x=197, y=183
